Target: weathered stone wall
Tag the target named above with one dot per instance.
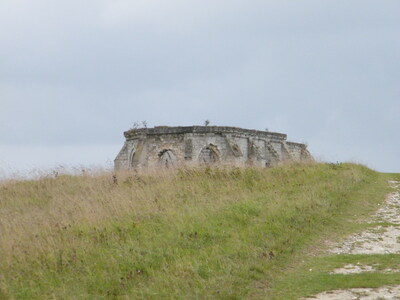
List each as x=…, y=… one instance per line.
x=196, y=145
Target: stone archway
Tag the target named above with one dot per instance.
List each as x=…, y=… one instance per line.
x=167, y=158
x=209, y=155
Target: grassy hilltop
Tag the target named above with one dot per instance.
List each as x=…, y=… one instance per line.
x=188, y=234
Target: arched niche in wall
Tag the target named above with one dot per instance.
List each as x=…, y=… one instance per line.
x=167, y=158
x=209, y=155
x=132, y=162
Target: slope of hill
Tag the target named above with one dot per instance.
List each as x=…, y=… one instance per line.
x=190, y=233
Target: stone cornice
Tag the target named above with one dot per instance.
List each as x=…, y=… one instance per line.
x=161, y=130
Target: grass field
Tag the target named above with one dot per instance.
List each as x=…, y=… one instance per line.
x=210, y=233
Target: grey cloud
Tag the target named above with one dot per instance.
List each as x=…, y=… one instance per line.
x=325, y=72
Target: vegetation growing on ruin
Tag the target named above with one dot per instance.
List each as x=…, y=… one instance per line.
x=205, y=233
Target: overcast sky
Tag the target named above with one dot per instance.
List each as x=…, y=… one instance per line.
x=75, y=74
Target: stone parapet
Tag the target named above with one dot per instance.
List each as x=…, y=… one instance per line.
x=158, y=130
x=296, y=144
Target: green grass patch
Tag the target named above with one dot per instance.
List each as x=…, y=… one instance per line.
x=315, y=276
x=195, y=233
x=311, y=274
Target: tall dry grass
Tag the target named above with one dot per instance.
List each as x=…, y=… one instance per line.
x=34, y=213
x=192, y=231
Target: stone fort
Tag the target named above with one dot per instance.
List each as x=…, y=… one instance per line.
x=165, y=146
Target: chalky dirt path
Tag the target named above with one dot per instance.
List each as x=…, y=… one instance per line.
x=380, y=239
